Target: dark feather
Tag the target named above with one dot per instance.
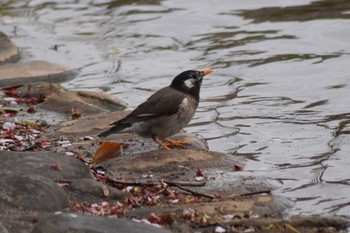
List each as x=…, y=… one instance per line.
x=156, y=105
x=114, y=129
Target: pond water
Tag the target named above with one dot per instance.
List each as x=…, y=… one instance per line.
x=279, y=96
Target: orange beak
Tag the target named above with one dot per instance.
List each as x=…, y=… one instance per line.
x=207, y=71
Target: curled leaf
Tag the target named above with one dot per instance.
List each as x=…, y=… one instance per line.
x=106, y=151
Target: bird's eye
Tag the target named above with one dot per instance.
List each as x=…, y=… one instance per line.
x=193, y=75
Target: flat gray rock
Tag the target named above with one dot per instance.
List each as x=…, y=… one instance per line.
x=47, y=164
x=31, y=192
x=78, y=223
x=88, y=125
x=59, y=100
x=8, y=50
x=91, y=191
x=173, y=163
x=34, y=71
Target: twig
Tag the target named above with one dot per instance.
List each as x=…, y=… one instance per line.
x=186, y=183
x=207, y=195
x=170, y=183
x=248, y=194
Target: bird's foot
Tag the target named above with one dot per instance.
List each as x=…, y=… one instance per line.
x=159, y=142
x=175, y=143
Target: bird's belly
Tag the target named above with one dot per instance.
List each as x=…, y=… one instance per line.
x=164, y=126
x=169, y=125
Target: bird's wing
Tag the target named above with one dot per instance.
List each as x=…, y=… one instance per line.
x=161, y=103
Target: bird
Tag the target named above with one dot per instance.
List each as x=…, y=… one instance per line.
x=164, y=113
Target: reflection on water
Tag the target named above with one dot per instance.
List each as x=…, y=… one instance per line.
x=327, y=9
x=279, y=96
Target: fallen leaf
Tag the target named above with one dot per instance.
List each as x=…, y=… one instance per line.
x=30, y=124
x=153, y=218
x=106, y=151
x=200, y=172
x=239, y=167
x=76, y=113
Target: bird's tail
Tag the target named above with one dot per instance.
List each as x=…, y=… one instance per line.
x=114, y=129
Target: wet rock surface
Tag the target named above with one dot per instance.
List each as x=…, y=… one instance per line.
x=34, y=71
x=59, y=100
x=72, y=222
x=50, y=186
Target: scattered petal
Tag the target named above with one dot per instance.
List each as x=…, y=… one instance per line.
x=200, y=172
x=56, y=167
x=69, y=153
x=250, y=229
x=63, y=142
x=9, y=126
x=86, y=138
x=199, y=178
x=148, y=175
x=19, y=138
x=219, y=229
x=105, y=191
x=31, y=109
x=173, y=201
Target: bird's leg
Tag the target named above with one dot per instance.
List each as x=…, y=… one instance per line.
x=177, y=143
x=158, y=141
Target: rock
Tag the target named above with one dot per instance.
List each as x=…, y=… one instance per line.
x=219, y=172
x=34, y=71
x=47, y=164
x=91, y=191
x=95, y=124
x=8, y=50
x=3, y=228
x=167, y=163
x=72, y=222
x=60, y=100
x=137, y=144
x=239, y=206
x=32, y=193
x=102, y=100
x=305, y=224
x=228, y=183
x=87, y=125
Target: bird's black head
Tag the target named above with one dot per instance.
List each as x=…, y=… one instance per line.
x=190, y=82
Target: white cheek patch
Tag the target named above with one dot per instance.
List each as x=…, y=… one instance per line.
x=190, y=82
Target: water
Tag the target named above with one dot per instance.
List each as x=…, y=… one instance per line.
x=279, y=95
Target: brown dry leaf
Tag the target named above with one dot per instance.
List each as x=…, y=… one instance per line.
x=106, y=151
x=76, y=113
x=239, y=167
